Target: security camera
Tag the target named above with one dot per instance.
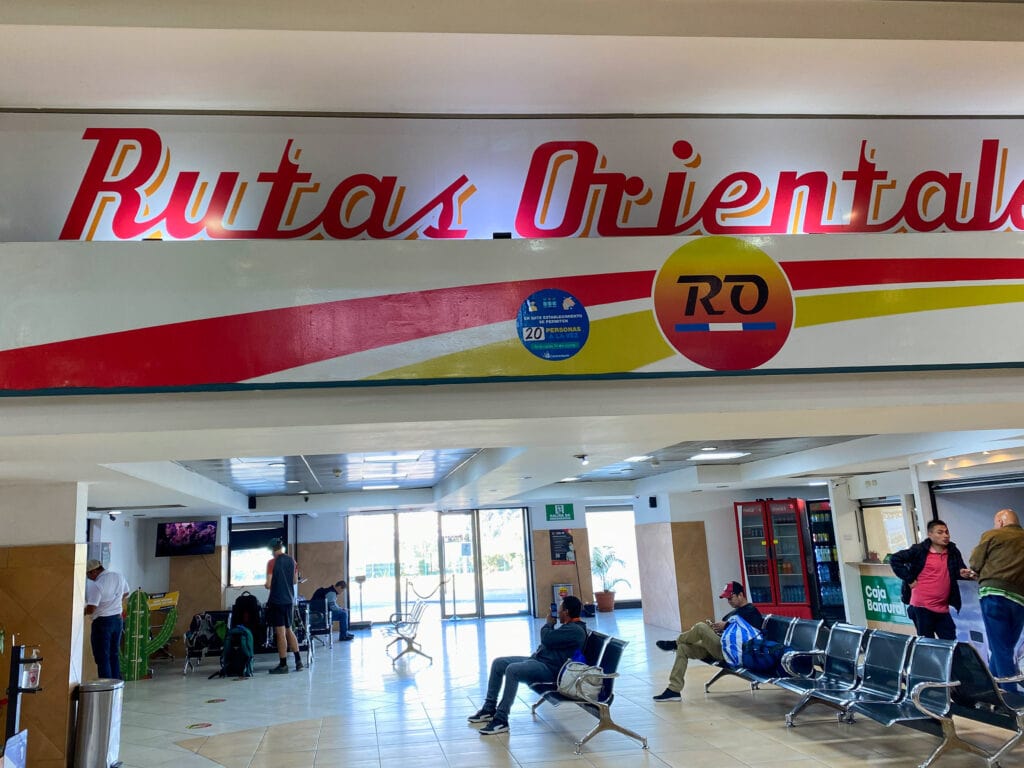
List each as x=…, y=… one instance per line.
x=306, y=499
x=112, y=517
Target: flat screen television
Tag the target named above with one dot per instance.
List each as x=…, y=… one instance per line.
x=188, y=537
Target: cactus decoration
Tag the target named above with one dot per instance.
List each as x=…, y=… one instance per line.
x=138, y=645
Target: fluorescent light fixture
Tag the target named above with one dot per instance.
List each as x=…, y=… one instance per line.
x=304, y=492
x=391, y=457
x=638, y=458
x=709, y=448
x=719, y=455
x=292, y=482
x=380, y=487
x=818, y=482
x=568, y=480
x=277, y=464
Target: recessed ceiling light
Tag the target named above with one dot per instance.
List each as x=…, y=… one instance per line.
x=380, y=487
x=719, y=456
x=709, y=448
x=391, y=457
x=304, y=492
x=292, y=482
x=638, y=458
x=568, y=480
x=818, y=482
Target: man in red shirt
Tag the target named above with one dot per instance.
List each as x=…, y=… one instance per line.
x=929, y=571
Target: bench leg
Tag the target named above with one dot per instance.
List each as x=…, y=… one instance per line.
x=605, y=723
x=952, y=741
x=722, y=672
x=543, y=697
x=993, y=761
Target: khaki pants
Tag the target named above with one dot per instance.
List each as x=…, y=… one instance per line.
x=696, y=643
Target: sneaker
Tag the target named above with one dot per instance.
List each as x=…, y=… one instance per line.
x=299, y=666
x=483, y=716
x=668, y=695
x=279, y=670
x=666, y=645
x=345, y=638
x=496, y=726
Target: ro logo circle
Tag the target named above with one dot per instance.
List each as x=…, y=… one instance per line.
x=723, y=303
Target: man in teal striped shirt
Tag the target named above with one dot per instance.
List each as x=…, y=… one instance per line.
x=998, y=561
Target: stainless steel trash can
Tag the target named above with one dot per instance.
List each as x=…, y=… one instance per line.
x=98, y=736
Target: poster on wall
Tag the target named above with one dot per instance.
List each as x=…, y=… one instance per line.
x=562, y=550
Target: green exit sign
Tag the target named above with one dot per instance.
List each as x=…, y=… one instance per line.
x=556, y=512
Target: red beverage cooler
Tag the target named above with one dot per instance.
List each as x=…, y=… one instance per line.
x=774, y=555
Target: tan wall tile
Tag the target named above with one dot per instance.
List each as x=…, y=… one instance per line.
x=546, y=574
x=321, y=562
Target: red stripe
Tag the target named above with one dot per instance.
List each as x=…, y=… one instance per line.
x=808, y=275
x=234, y=348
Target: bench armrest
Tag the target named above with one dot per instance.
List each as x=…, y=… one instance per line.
x=1019, y=677
x=920, y=688
x=789, y=659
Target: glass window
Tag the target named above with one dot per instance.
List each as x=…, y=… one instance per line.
x=247, y=550
x=615, y=527
x=885, y=531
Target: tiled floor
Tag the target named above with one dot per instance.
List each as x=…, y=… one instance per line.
x=354, y=709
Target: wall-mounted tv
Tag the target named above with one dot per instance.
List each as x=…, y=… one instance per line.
x=189, y=537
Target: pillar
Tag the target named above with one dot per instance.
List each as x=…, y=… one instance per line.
x=42, y=603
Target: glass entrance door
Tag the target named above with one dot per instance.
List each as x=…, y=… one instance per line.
x=504, y=577
x=458, y=565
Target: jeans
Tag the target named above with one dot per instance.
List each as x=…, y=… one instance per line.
x=1004, y=620
x=340, y=615
x=106, y=646
x=932, y=623
x=513, y=670
x=696, y=643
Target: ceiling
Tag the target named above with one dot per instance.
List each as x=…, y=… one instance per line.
x=486, y=444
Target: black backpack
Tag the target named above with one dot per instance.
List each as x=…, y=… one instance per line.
x=764, y=656
x=320, y=595
x=236, y=660
x=247, y=612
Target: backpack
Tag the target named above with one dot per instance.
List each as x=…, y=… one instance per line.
x=764, y=656
x=236, y=660
x=201, y=633
x=247, y=612
x=736, y=633
x=320, y=595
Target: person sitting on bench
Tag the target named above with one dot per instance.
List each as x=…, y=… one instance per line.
x=338, y=613
x=703, y=640
x=556, y=647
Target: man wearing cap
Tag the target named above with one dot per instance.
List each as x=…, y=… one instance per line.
x=281, y=571
x=703, y=640
x=105, y=593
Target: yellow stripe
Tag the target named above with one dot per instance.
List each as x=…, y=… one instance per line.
x=616, y=344
x=838, y=307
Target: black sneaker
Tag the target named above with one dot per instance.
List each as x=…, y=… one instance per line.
x=496, y=726
x=345, y=638
x=279, y=670
x=666, y=645
x=299, y=666
x=668, y=695
x=483, y=716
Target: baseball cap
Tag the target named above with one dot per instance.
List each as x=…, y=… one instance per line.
x=275, y=544
x=92, y=565
x=732, y=588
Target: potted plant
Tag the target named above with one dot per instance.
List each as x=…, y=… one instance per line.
x=602, y=560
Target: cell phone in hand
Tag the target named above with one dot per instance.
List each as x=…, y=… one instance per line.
x=554, y=610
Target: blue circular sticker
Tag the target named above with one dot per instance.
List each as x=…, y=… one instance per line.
x=552, y=324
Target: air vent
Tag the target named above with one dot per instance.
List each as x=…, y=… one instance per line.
x=135, y=509
x=978, y=483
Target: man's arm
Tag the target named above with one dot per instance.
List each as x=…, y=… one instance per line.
x=902, y=565
x=270, y=573
x=562, y=637
x=979, y=554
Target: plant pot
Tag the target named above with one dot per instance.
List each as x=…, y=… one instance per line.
x=605, y=601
